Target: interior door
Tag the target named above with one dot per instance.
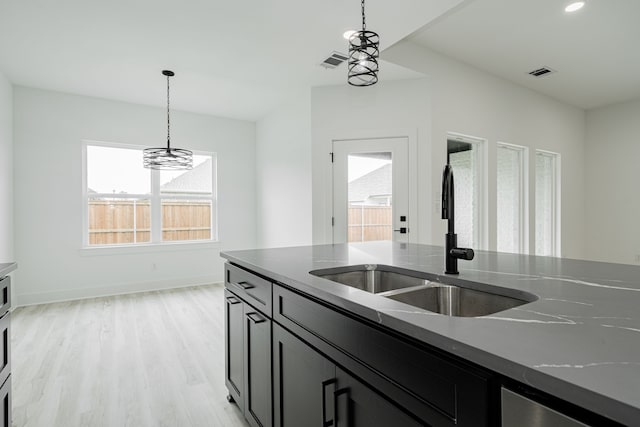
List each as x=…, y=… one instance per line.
x=371, y=190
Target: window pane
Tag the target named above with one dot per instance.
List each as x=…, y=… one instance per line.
x=463, y=157
x=545, y=204
x=195, y=181
x=509, y=199
x=369, y=196
x=186, y=220
x=116, y=171
x=119, y=221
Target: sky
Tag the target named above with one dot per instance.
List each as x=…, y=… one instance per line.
x=130, y=177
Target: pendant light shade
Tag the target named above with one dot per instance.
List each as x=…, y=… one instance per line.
x=167, y=157
x=363, y=56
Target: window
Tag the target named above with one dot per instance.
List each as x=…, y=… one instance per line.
x=510, y=198
x=465, y=155
x=547, y=204
x=127, y=204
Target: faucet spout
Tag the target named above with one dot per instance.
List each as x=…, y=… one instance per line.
x=451, y=250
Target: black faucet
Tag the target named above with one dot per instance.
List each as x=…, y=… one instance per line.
x=451, y=252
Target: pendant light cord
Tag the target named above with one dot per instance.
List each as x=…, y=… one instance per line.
x=364, y=24
x=168, y=121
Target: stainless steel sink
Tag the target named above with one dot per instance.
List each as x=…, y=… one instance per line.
x=457, y=301
x=426, y=291
x=374, y=278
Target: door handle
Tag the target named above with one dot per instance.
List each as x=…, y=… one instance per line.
x=326, y=423
x=233, y=300
x=336, y=395
x=245, y=285
x=256, y=318
x=402, y=230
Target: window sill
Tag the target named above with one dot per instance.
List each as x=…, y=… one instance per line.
x=148, y=248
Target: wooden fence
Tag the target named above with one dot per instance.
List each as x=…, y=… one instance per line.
x=368, y=223
x=129, y=221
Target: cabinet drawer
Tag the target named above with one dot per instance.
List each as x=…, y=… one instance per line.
x=5, y=294
x=447, y=393
x=5, y=344
x=252, y=288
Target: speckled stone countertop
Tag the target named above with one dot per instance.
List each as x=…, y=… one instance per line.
x=6, y=268
x=580, y=341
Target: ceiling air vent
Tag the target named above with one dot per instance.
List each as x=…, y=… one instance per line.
x=541, y=72
x=335, y=59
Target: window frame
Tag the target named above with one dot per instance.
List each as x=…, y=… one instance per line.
x=556, y=236
x=480, y=216
x=155, y=198
x=523, y=226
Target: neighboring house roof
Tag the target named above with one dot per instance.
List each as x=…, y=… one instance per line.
x=375, y=183
x=197, y=180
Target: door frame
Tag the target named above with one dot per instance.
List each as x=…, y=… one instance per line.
x=412, y=191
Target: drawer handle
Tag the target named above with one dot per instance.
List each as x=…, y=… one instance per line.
x=233, y=300
x=245, y=285
x=336, y=395
x=256, y=318
x=326, y=423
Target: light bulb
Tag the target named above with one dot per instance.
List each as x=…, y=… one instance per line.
x=572, y=7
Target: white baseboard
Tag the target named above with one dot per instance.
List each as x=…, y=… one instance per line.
x=116, y=289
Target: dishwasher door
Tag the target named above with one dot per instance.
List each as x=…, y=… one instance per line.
x=520, y=411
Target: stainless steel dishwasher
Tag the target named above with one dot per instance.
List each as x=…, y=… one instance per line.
x=520, y=411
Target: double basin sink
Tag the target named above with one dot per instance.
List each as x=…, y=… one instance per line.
x=426, y=291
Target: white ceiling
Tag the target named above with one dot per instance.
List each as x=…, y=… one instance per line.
x=232, y=58
x=594, y=51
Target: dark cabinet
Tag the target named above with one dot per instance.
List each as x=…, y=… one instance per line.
x=5, y=351
x=248, y=359
x=310, y=390
x=301, y=377
x=234, y=348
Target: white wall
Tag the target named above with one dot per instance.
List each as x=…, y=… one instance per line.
x=6, y=170
x=612, y=200
x=283, y=174
x=390, y=108
x=49, y=128
x=469, y=101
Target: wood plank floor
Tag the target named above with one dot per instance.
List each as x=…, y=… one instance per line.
x=147, y=359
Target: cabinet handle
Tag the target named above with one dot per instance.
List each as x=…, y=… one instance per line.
x=245, y=285
x=336, y=395
x=233, y=300
x=326, y=423
x=256, y=318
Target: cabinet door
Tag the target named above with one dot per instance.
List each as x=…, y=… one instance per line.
x=234, y=357
x=257, y=347
x=302, y=383
x=5, y=403
x=357, y=405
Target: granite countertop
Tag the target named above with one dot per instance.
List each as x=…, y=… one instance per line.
x=580, y=341
x=6, y=268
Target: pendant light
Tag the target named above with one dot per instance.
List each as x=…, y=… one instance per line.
x=363, y=56
x=168, y=158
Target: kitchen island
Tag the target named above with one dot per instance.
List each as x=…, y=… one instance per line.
x=578, y=342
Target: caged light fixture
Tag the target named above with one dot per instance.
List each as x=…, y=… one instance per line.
x=363, y=56
x=167, y=157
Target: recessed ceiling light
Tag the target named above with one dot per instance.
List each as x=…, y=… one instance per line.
x=572, y=7
x=347, y=34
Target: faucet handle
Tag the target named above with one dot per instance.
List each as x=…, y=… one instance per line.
x=462, y=253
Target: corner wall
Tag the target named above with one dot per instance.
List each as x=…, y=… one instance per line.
x=283, y=175
x=6, y=171
x=612, y=201
x=49, y=128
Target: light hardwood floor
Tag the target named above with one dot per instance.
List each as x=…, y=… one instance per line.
x=147, y=359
